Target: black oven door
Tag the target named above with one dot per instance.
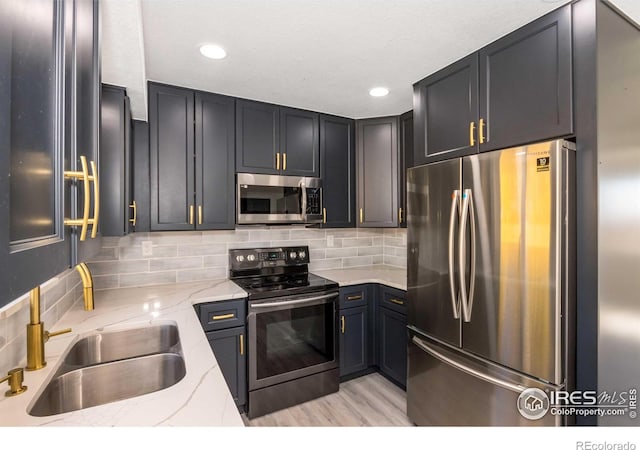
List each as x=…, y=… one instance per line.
x=291, y=337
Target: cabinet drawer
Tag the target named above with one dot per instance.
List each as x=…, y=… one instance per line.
x=351, y=296
x=394, y=299
x=221, y=315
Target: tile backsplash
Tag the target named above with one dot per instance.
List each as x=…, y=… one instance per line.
x=57, y=296
x=143, y=259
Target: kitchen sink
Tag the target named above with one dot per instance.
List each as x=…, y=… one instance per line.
x=115, y=345
x=109, y=382
x=108, y=366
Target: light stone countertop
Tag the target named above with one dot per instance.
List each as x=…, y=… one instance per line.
x=201, y=398
x=388, y=275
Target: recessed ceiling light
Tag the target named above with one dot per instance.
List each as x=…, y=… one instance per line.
x=213, y=51
x=378, y=91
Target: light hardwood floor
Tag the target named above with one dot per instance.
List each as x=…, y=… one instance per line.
x=371, y=400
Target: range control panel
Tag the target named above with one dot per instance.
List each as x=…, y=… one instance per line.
x=257, y=258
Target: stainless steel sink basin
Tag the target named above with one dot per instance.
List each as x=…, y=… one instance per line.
x=109, y=382
x=115, y=345
x=108, y=366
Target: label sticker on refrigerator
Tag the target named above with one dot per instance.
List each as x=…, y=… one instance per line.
x=542, y=164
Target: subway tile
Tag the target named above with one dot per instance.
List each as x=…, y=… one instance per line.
x=289, y=243
x=214, y=273
x=215, y=260
x=342, y=233
x=107, y=254
x=17, y=321
x=370, y=232
x=175, y=237
x=50, y=317
x=357, y=261
x=366, y=251
x=317, y=243
x=395, y=261
x=377, y=241
x=249, y=244
x=358, y=242
x=3, y=336
x=113, y=267
x=110, y=241
x=337, y=243
x=13, y=354
x=393, y=241
x=225, y=236
x=308, y=234
x=160, y=251
x=317, y=253
x=147, y=279
x=66, y=303
x=53, y=293
x=72, y=279
x=341, y=252
x=377, y=259
x=321, y=264
x=202, y=249
x=106, y=282
x=156, y=265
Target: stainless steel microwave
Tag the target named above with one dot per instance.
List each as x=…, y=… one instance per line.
x=278, y=199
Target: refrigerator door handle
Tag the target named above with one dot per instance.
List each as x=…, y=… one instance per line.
x=467, y=297
x=464, y=368
x=472, y=272
x=455, y=300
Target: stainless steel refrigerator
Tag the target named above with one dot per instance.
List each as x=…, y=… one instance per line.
x=490, y=283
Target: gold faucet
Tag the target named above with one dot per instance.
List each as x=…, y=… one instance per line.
x=87, y=286
x=15, y=377
x=36, y=334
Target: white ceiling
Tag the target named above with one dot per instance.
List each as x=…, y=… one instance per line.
x=322, y=55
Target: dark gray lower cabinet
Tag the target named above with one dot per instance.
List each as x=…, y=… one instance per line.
x=392, y=345
x=354, y=340
x=229, y=349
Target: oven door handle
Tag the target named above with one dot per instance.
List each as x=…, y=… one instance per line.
x=292, y=302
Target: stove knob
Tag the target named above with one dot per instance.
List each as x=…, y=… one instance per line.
x=240, y=258
x=251, y=257
x=293, y=255
x=302, y=254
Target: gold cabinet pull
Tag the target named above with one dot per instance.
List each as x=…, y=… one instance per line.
x=199, y=214
x=278, y=161
x=354, y=297
x=361, y=215
x=242, y=344
x=472, y=128
x=396, y=301
x=135, y=213
x=284, y=161
x=96, y=197
x=324, y=215
x=399, y=215
x=190, y=214
x=481, y=131
x=224, y=316
x=84, y=176
x=342, y=324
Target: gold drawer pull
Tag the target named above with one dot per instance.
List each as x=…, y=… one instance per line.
x=224, y=316
x=284, y=161
x=199, y=214
x=472, y=127
x=396, y=301
x=324, y=215
x=342, y=324
x=96, y=200
x=481, y=131
x=135, y=213
x=278, y=161
x=84, y=176
x=354, y=297
x=242, y=344
x=361, y=216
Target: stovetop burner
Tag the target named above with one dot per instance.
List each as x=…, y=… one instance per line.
x=275, y=272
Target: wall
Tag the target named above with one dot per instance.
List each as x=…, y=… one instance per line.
x=203, y=255
x=58, y=295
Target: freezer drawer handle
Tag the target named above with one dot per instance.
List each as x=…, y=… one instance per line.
x=467, y=212
x=291, y=302
x=473, y=372
x=455, y=301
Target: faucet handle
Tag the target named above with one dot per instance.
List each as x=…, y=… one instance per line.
x=15, y=378
x=50, y=334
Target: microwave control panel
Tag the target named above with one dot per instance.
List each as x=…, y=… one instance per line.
x=314, y=201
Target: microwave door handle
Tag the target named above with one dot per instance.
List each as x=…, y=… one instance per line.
x=304, y=201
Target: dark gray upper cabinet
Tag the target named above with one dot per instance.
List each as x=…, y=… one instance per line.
x=377, y=142
x=191, y=159
x=338, y=171
x=514, y=91
x=446, y=112
x=257, y=137
x=140, y=169
x=276, y=140
x=171, y=141
x=406, y=160
x=215, y=147
x=525, y=83
x=115, y=161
